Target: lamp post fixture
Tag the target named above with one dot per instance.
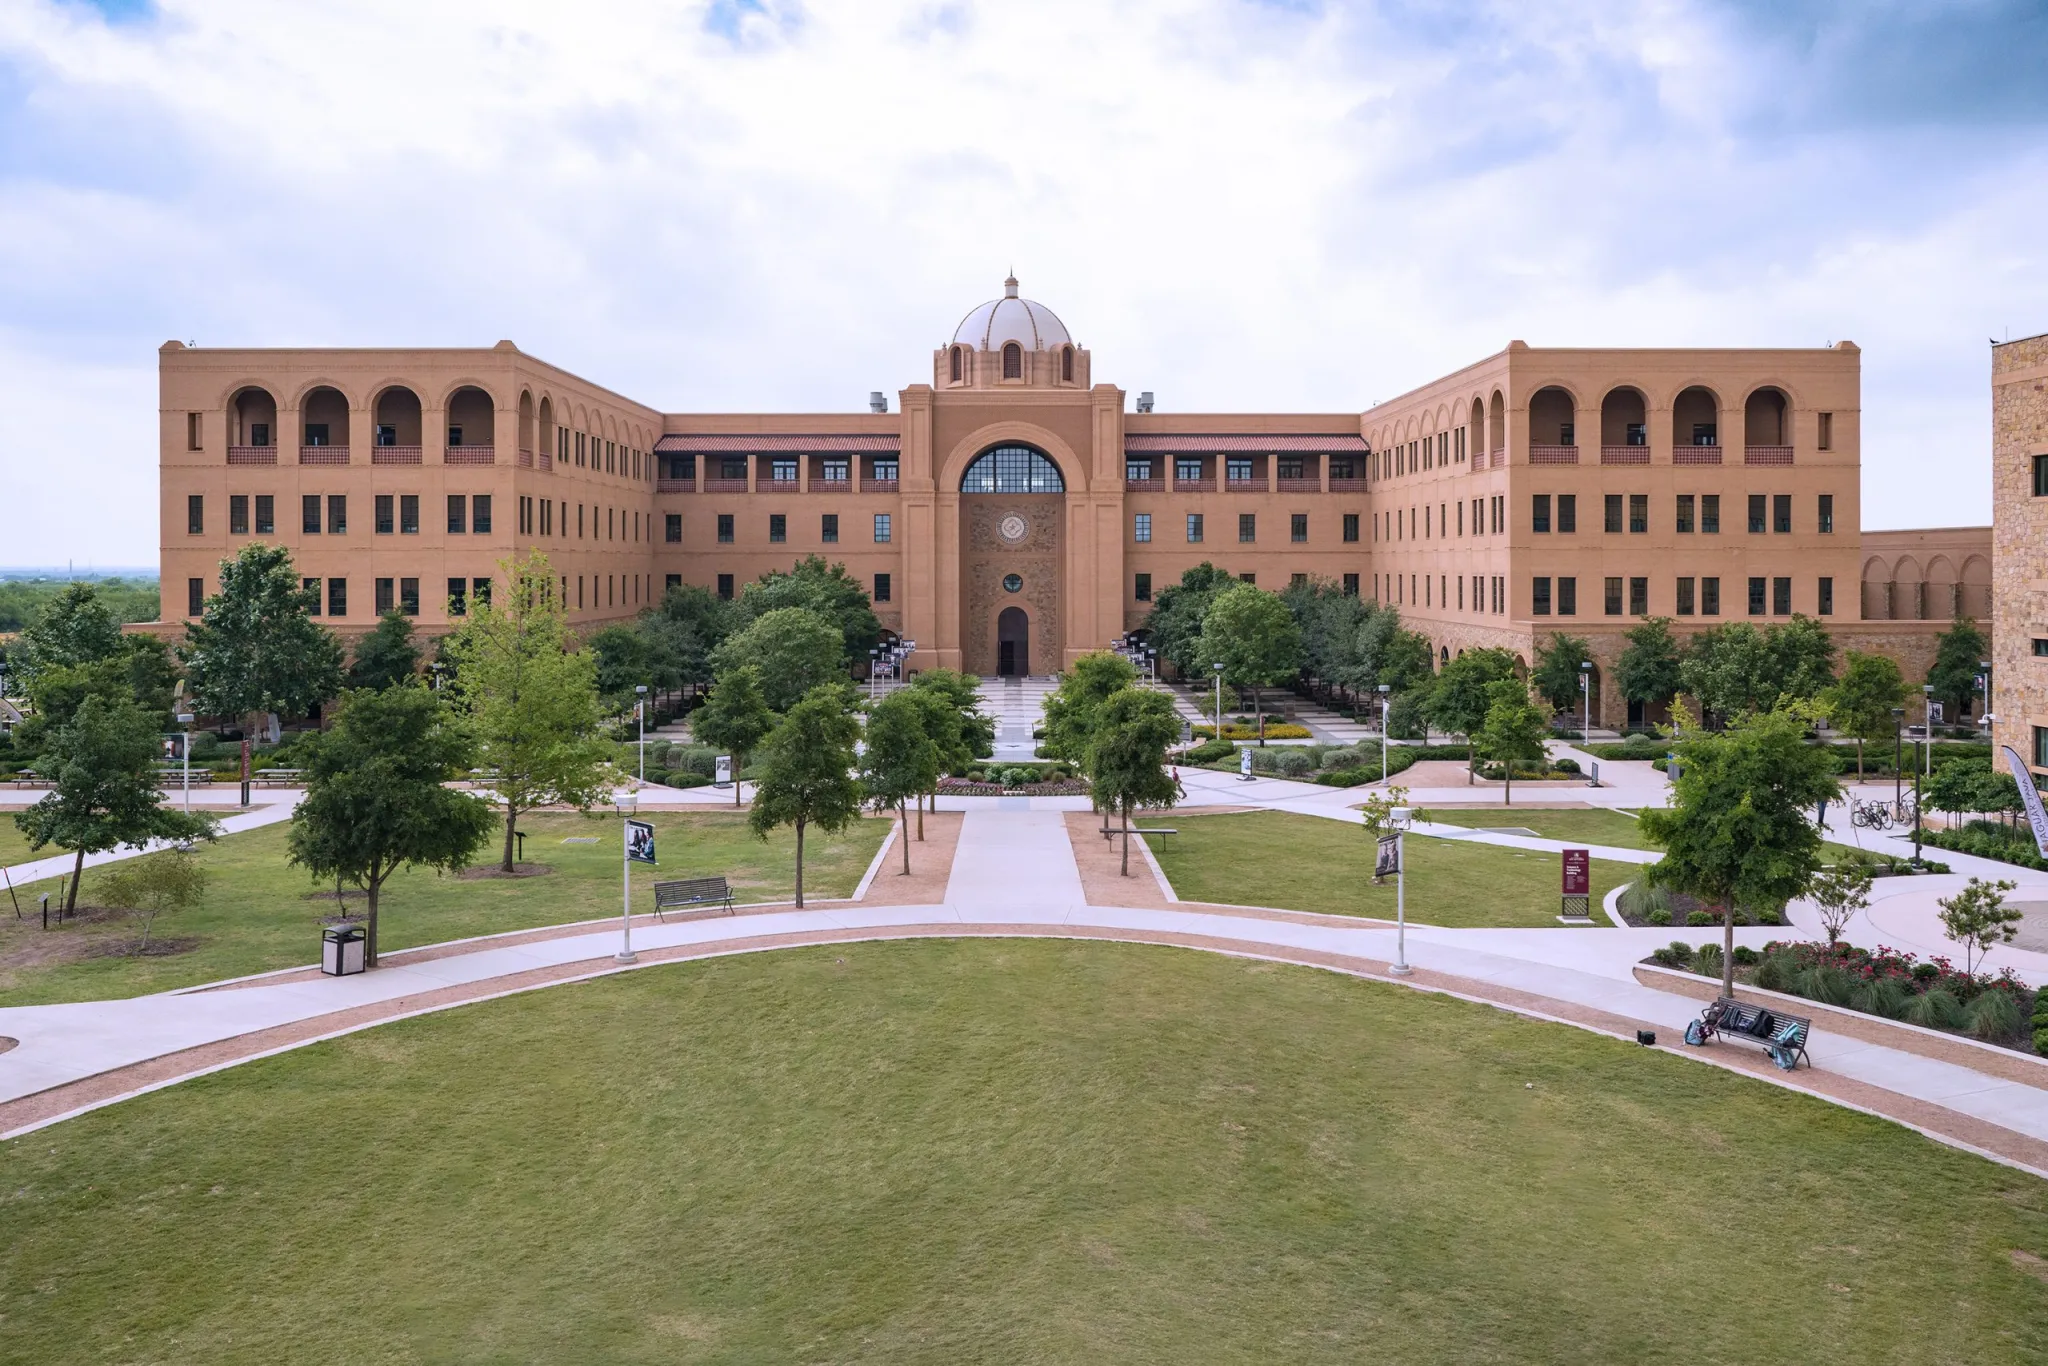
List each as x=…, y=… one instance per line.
x=1984, y=686
x=1586, y=696
x=627, y=803
x=1898, y=757
x=1399, y=819
x=874, y=668
x=1385, y=692
x=1926, y=730
x=640, y=707
x=437, y=669
x=1219, y=701
x=185, y=719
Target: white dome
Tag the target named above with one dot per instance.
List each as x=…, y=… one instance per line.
x=1011, y=319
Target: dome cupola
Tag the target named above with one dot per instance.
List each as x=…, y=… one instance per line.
x=1012, y=319
x=1011, y=340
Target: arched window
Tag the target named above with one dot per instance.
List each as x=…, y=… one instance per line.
x=1067, y=364
x=1012, y=469
x=956, y=365
x=1013, y=361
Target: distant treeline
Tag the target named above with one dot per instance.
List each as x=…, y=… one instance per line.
x=22, y=600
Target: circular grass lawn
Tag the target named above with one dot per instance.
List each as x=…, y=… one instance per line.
x=1002, y=1151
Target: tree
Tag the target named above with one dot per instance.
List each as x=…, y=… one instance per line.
x=826, y=589
x=736, y=718
x=1860, y=703
x=101, y=765
x=1330, y=619
x=1737, y=831
x=807, y=770
x=1252, y=635
x=1838, y=892
x=1735, y=668
x=1072, y=709
x=974, y=731
x=386, y=655
x=1127, y=756
x=531, y=702
x=1978, y=919
x=1802, y=658
x=623, y=663
x=1513, y=731
x=149, y=887
x=794, y=649
x=1174, y=625
x=1402, y=658
x=75, y=629
x=1555, y=678
x=1957, y=652
x=1459, y=702
x=375, y=800
x=901, y=760
x=255, y=649
x=1647, y=671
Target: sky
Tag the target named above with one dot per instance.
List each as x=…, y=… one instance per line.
x=766, y=205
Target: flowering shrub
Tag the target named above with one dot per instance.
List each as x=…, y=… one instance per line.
x=1896, y=965
x=1931, y=992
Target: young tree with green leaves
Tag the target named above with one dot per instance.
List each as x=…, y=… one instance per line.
x=1978, y=919
x=1252, y=635
x=1647, y=671
x=156, y=884
x=623, y=663
x=255, y=648
x=75, y=629
x=531, y=701
x=1459, y=702
x=793, y=648
x=1072, y=709
x=375, y=797
x=1127, y=756
x=101, y=766
x=736, y=718
x=974, y=730
x=1737, y=832
x=1735, y=668
x=1860, y=703
x=1957, y=653
x=829, y=591
x=1514, y=730
x=807, y=768
x=900, y=761
x=1174, y=624
x=1555, y=677
x=386, y=656
x=1837, y=893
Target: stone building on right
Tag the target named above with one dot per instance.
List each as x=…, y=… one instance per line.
x=2019, y=546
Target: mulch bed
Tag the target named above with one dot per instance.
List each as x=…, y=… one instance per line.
x=125, y=948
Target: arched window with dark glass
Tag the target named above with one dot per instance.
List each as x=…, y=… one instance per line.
x=1013, y=361
x=1067, y=364
x=1012, y=469
x=956, y=365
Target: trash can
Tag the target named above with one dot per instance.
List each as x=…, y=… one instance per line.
x=341, y=950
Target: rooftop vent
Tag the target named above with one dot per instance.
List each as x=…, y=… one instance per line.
x=878, y=402
x=1145, y=401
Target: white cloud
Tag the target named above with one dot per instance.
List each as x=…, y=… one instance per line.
x=1240, y=206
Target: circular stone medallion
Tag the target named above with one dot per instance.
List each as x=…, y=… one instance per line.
x=1012, y=583
x=1013, y=528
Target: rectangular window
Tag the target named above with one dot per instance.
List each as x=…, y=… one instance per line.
x=1141, y=587
x=309, y=514
x=1611, y=597
x=337, y=513
x=1351, y=585
x=2041, y=746
x=1638, y=513
x=1292, y=467
x=1638, y=597
x=1247, y=526
x=408, y=514
x=1827, y=514
x=547, y=516
x=1297, y=527
x=725, y=528
x=836, y=471
x=458, y=597
x=1187, y=468
x=1612, y=513
x=782, y=471
x=672, y=528
x=311, y=588
x=238, y=514
x=480, y=514
x=1756, y=514
x=1710, y=514
x=455, y=436
x=882, y=528
x=1634, y=434
x=881, y=588
x=409, y=597
x=1297, y=580
x=1827, y=597
x=1781, y=513
x=1248, y=578
x=195, y=514
x=725, y=587
x=1539, y=597
x=1705, y=434
x=2040, y=645
x=1682, y=523
x=1567, y=513
x=266, y=514
x=1685, y=598
x=192, y=432
x=778, y=527
x=1141, y=526
x=458, y=514
x=1539, y=512
x=386, y=598
x=1194, y=526
x=195, y=598
x=1756, y=596
x=1567, y=597
x=337, y=597
x=1350, y=526
x=316, y=434
x=1781, y=597
x=386, y=435
x=1827, y=431
x=1237, y=467
x=480, y=590
x=671, y=581
x=1710, y=597
x=828, y=528
x=579, y=521
x=259, y=433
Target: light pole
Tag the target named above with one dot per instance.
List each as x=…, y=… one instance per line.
x=627, y=802
x=1219, y=701
x=1385, y=691
x=1926, y=730
x=185, y=720
x=1586, y=694
x=640, y=707
x=1399, y=817
x=874, y=668
x=1984, y=686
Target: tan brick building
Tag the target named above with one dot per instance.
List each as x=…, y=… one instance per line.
x=1013, y=513
x=2019, y=555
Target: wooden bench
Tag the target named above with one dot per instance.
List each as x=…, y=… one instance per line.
x=691, y=891
x=1779, y=1034
x=276, y=777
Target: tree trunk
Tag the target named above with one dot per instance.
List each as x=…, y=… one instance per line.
x=737, y=766
x=1127, y=841
x=71, y=896
x=1507, y=769
x=371, y=887
x=1469, y=780
x=1259, y=710
x=511, y=822
x=1859, y=758
x=905, y=816
x=1728, y=949
x=799, y=865
x=920, y=820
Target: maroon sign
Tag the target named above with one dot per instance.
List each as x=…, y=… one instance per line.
x=1578, y=872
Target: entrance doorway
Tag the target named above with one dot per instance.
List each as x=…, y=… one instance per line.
x=1013, y=643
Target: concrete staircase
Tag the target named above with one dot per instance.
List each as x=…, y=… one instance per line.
x=1018, y=706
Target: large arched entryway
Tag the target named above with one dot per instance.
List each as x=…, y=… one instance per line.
x=1013, y=643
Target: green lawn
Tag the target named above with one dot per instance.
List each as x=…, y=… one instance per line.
x=1005, y=1152
x=257, y=915
x=1311, y=863
x=1612, y=828
x=14, y=844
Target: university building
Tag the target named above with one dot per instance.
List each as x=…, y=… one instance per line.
x=1012, y=512
x=2019, y=499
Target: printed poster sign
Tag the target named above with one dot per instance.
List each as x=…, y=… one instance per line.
x=1244, y=763
x=640, y=841
x=724, y=765
x=1388, y=860
x=2031, y=795
x=1578, y=872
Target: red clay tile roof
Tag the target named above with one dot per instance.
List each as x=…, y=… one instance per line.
x=735, y=443
x=1344, y=443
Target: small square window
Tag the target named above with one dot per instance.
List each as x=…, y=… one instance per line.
x=1139, y=470
x=1187, y=468
x=1248, y=578
x=1351, y=585
x=2040, y=644
x=671, y=581
x=1539, y=597
x=1141, y=526
x=881, y=588
x=1297, y=527
x=1237, y=468
x=882, y=528
x=725, y=528
x=1297, y=580
x=1141, y=587
x=782, y=471
x=778, y=527
x=828, y=528
x=1247, y=526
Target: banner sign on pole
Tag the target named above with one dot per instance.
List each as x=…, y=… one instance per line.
x=2030, y=795
x=640, y=841
x=1388, y=860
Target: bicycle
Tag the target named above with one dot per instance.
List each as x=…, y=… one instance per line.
x=1870, y=815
